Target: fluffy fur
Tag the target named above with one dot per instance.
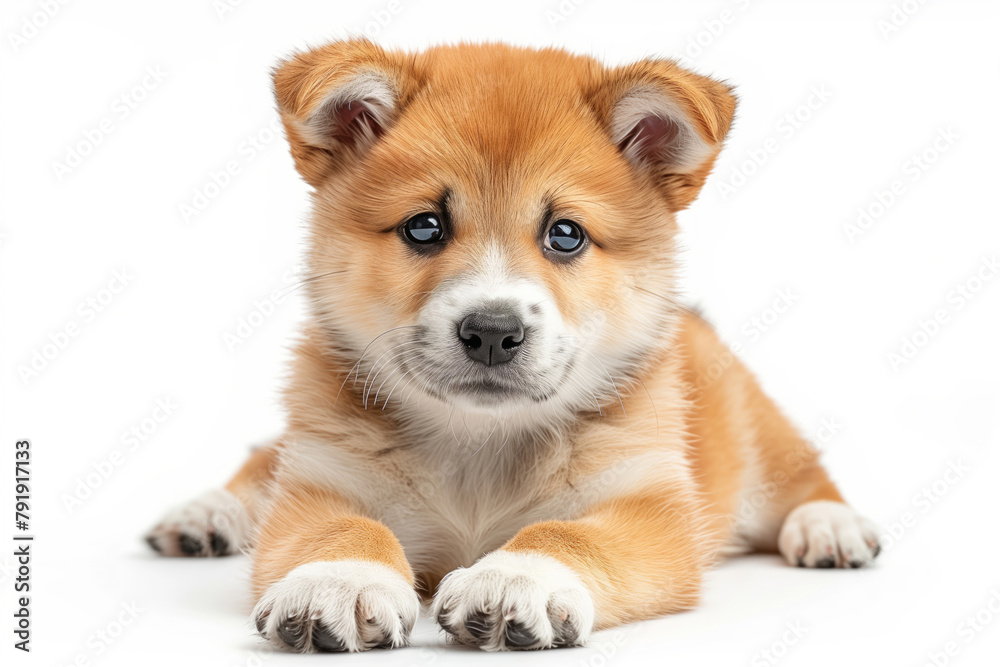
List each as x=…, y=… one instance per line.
x=601, y=473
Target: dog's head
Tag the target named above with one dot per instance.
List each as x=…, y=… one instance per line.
x=495, y=225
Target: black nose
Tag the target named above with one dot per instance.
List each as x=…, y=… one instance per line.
x=491, y=338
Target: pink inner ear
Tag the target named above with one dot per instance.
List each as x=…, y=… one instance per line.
x=347, y=113
x=652, y=136
x=355, y=118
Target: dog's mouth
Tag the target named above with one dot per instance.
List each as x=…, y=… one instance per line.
x=486, y=386
x=488, y=392
x=491, y=390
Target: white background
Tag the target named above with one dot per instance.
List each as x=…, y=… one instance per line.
x=893, y=430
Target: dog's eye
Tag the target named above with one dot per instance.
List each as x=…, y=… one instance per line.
x=423, y=228
x=564, y=236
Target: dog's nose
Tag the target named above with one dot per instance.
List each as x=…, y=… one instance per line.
x=491, y=338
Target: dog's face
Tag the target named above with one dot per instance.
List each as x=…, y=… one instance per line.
x=496, y=225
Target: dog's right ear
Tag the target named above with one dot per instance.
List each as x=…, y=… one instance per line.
x=336, y=101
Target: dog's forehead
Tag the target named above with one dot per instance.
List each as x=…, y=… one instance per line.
x=507, y=77
x=505, y=105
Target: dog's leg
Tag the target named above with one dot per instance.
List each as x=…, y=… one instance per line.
x=757, y=468
x=803, y=515
x=818, y=528
x=327, y=579
x=554, y=582
x=218, y=523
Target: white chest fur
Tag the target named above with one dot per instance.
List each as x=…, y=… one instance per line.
x=451, y=497
x=453, y=493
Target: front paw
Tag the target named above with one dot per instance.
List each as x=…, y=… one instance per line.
x=513, y=601
x=346, y=605
x=214, y=524
x=828, y=534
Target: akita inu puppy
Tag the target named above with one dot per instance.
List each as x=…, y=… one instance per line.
x=497, y=400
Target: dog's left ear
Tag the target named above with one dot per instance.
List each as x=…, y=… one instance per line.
x=668, y=122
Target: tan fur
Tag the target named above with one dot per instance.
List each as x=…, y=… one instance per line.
x=307, y=525
x=729, y=410
x=637, y=491
x=250, y=481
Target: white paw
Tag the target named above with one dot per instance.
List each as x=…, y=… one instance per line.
x=214, y=524
x=515, y=601
x=344, y=605
x=827, y=534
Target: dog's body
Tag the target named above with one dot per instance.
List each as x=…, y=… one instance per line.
x=496, y=364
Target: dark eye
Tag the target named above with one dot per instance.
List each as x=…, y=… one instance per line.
x=423, y=228
x=564, y=236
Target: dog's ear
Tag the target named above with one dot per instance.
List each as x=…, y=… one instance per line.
x=336, y=101
x=668, y=122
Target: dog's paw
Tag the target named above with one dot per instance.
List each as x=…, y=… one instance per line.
x=512, y=601
x=214, y=524
x=828, y=534
x=345, y=605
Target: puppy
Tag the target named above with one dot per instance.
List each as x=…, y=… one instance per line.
x=497, y=398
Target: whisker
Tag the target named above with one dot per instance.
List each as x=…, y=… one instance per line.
x=291, y=288
x=408, y=326
x=363, y=353
x=611, y=379
x=366, y=388
x=656, y=417
x=606, y=372
x=386, y=365
x=593, y=397
x=406, y=374
x=465, y=425
x=487, y=437
x=403, y=376
x=381, y=356
x=451, y=415
x=506, y=438
x=413, y=387
x=666, y=298
x=379, y=390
